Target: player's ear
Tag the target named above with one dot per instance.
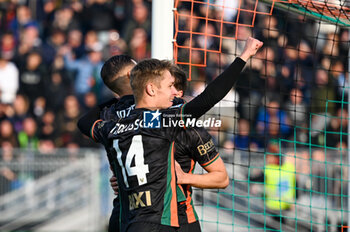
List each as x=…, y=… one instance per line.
x=180, y=94
x=150, y=89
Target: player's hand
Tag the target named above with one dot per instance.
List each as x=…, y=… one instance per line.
x=251, y=47
x=114, y=184
x=180, y=174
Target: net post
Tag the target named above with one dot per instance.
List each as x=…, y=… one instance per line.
x=162, y=29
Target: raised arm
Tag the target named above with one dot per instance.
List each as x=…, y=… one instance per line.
x=218, y=88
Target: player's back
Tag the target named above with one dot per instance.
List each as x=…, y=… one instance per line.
x=143, y=159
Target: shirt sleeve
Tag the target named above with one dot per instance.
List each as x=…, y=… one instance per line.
x=100, y=131
x=202, y=146
x=86, y=122
x=96, y=132
x=215, y=91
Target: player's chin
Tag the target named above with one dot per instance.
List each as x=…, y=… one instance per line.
x=169, y=104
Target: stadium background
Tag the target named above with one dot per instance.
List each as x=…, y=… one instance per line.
x=291, y=101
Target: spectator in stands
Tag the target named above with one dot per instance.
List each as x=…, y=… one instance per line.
x=9, y=76
x=287, y=71
x=115, y=46
x=56, y=87
x=249, y=88
x=68, y=118
x=7, y=133
x=33, y=78
x=331, y=46
x=67, y=124
x=28, y=138
x=20, y=112
x=91, y=41
x=243, y=140
x=39, y=107
x=269, y=33
x=140, y=19
x=87, y=70
x=140, y=47
x=322, y=104
x=274, y=83
x=272, y=121
x=320, y=183
x=341, y=79
x=305, y=63
x=230, y=11
x=64, y=20
x=90, y=101
x=75, y=42
x=99, y=16
x=48, y=127
x=344, y=37
x=8, y=46
x=279, y=182
x=52, y=45
x=298, y=113
x=8, y=175
x=22, y=20
x=46, y=147
x=30, y=41
x=297, y=108
x=338, y=128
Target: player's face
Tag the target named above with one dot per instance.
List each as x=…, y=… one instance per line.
x=166, y=93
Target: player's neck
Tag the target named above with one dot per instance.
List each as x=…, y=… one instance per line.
x=144, y=103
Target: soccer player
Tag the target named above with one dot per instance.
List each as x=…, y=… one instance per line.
x=143, y=158
x=131, y=64
x=114, y=74
x=187, y=156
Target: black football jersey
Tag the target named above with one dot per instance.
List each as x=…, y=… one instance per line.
x=195, y=145
x=120, y=109
x=143, y=161
x=142, y=156
x=198, y=147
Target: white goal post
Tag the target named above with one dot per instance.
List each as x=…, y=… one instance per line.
x=162, y=29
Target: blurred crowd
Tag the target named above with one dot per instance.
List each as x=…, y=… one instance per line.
x=51, y=53
x=295, y=88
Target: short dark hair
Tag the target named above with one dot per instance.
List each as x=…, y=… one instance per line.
x=110, y=72
x=180, y=78
x=146, y=71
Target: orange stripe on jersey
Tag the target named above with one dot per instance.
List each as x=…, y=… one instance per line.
x=210, y=161
x=189, y=209
x=182, y=190
x=92, y=129
x=174, y=217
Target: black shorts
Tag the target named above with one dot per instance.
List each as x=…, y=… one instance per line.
x=150, y=227
x=114, y=225
x=193, y=227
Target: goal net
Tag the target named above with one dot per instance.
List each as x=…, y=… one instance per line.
x=284, y=136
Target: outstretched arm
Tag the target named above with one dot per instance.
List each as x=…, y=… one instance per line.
x=215, y=178
x=218, y=88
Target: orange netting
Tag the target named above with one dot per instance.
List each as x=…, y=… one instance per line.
x=189, y=18
x=327, y=8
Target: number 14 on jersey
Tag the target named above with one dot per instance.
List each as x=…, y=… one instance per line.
x=136, y=153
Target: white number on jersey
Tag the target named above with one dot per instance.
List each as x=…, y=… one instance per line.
x=136, y=153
